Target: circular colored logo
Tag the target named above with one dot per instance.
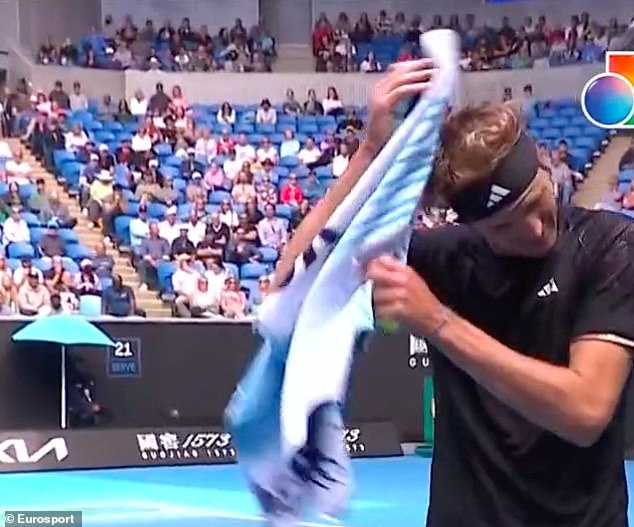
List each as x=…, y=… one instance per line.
x=607, y=100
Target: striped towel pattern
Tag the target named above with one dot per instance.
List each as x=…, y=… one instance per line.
x=285, y=415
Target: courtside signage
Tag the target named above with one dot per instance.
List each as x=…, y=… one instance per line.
x=607, y=99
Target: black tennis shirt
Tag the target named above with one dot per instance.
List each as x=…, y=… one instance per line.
x=491, y=467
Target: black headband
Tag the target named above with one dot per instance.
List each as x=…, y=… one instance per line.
x=507, y=182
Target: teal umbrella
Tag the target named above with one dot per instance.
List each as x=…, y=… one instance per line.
x=65, y=330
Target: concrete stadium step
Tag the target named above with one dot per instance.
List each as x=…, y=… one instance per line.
x=603, y=173
x=147, y=300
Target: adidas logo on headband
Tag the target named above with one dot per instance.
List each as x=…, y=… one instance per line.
x=496, y=195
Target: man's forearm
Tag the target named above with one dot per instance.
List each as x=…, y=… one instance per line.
x=312, y=224
x=550, y=396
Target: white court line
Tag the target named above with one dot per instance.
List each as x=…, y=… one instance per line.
x=156, y=511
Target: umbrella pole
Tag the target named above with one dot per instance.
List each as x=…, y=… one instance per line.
x=63, y=394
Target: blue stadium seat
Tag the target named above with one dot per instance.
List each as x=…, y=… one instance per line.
x=559, y=122
x=269, y=255
x=122, y=229
x=164, y=272
x=539, y=123
x=163, y=149
x=63, y=156
x=20, y=250
x=31, y=219
x=324, y=172
x=70, y=265
x=284, y=211
x=93, y=126
x=90, y=306
x=78, y=252
x=36, y=234
x=13, y=263
x=174, y=161
x=550, y=133
x=571, y=132
x=252, y=271
x=113, y=126
x=265, y=129
x=156, y=210
x=626, y=176
x=68, y=235
x=218, y=196
x=289, y=161
x=43, y=264
x=232, y=269
x=103, y=136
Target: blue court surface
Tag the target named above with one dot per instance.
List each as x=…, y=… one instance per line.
x=388, y=492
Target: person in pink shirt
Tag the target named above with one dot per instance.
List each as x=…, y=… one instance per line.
x=233, y=301
x=214, y=178
x=178, y=100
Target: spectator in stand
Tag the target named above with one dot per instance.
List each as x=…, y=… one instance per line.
x=363, y=30
x=159, y=102
x=242, y=247
x=272, y=231
x=370, y=64
x=267, y=152
x=101, y=195
x=182, y=246
x=291, y=193
x=341, y=160
x=226, y=115
x=102, y=261
x=142, y=144
x=254, y=215
x=233, y=301
x=154, y=250
x=266, y=114
x=266, y=190
x=562, y=177
x=383, y=24
x=290, y=146
x=119, y=207
x=225, y=143
x=217, y=235
x=332, y=104
x=76, y=138
x=351, y=121
x=119, y=300
x=63, y=288
x=310, y=153
x=123, y=57
x=243, y=150
x=51, y=243
x=299, y=214
x=58, y=212
x=59, y=96
x=242, y=189
x=184, y=282
x=169, y=229
x=5, y=270
x=15, y=229
x=227, y=215
x=26, y=268
x=47, y=53
x=87, y=282
x=312, y=188
x=206, y=146
x=195, y=228
x=291, y=106
x=78, y=101
x=312, y=106
x=18, y=169
x=138, y=104
x=139, y=230
x=33, y=298
x=13, y=198
x=351, y=140
x=264, y=287
x=216, y=275
x=203, y=301
x=107, y=109
x=214, y=178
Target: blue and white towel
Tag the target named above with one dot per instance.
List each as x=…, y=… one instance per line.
x=285, y=415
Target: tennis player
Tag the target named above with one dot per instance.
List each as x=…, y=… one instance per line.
x=530, y=310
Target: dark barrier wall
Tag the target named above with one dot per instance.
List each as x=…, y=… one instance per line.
x=193, y=368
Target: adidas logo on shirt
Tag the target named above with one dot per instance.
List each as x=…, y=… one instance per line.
x=549, y=289
x=496, y=195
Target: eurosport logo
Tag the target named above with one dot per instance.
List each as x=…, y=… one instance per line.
x=607, y=99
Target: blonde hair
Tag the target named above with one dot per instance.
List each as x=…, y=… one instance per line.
x=473, y=141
